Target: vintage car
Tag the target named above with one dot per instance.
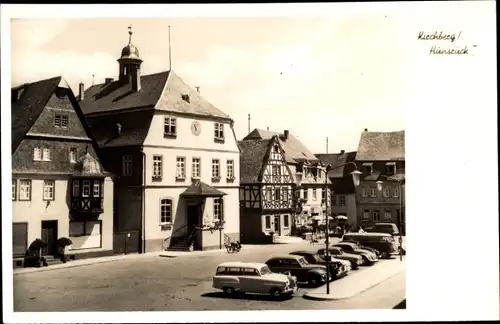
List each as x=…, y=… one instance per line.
x=338, y=253
x=338, y=268
x=389, y=228
x=383, y=242
x=256, y=278
x=297, y=266
x=362, y=247
x=369, y=258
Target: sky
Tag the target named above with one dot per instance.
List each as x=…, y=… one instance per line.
x=315, y=76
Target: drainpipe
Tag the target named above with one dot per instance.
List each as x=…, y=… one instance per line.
x=143, y=193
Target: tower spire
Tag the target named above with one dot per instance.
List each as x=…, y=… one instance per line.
x=130, y=34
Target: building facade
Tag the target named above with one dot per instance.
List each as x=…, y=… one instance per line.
x=266, y=192
x=59, y=188
x=343, y=201
x=311, y=189
x=381, y=157
x=175, y=155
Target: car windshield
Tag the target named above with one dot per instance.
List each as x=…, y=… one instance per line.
x=303, y=261
x=265, y=270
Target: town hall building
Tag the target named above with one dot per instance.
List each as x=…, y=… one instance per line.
x=175, y=156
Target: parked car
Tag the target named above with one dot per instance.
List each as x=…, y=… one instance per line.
x=383, y=242
x=338, y=268
x=297, y=266
x=361, y=246
x=338, y=253
x=389, y=228
x=257, y=278
x=369, y=258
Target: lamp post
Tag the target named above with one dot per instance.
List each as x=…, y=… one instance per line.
x=355, y=177
x=298, y=204
x=379, y=188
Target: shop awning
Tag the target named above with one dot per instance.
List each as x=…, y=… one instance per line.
x=201, y=189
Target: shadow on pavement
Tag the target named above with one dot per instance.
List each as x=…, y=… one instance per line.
x=222, y=295
x=401, y=305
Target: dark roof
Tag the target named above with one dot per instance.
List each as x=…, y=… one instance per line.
x=253, y=154
x=295, y=150
x=381, y=146
x=286, y=256
x=26, y=110
x=302, y=252
x=201, y=189
x=337, y=161
x=162, y=91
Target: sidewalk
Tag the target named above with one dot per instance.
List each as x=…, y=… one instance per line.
x=357, y=282
x=85, y=262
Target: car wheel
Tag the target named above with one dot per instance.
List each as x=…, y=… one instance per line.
x=385, y=255
x=276, y=292
x=229, y=290
x=313, y=282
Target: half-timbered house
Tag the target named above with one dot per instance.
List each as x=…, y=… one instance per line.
x=266, y=192
x=312, y=193
x=59, y=187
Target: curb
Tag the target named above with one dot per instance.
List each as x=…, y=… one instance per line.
x=75, y=265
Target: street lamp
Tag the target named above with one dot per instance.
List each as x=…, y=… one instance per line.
x=355, y=178
x=379, y=188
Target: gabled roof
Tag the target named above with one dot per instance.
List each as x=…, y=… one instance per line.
x=295, y=151
x=381, y=146
x=162, y=91
x=252, y=158
x=26, y=110
x=201, y=189
x=337, y=161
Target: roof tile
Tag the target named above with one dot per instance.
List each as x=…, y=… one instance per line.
x=381, y=146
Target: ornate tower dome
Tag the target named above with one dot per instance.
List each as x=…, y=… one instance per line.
x=130, y=64
x=88, y=166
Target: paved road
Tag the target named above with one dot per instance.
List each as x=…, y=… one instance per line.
x=162, y=284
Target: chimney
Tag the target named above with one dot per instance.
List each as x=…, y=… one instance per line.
x=118, y=129
x=366, y=129
x=286, y=133
x=342, y=151
x=197, y=89
x=108, y=81
x=81, y=90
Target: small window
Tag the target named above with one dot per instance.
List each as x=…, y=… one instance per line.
x=390, y=168
x=277, y=194
x=376, y=215
x=86, y=188
x=24, y=190
x=341, y=200
x=286, y=221
x=165, y=211
x=76, y=188
x=235, y=272
x=268, y=222
x=275, y=170
x=373, y=192
x=305, y=192
x=395, y=192
x=364, y=192
x=367, y=168
x=64, y=121
x=127, y=165
x=47, y=155
x=61, y=121
x=170, y=127
x=366, y=214
x=251, y=272
x=157, y=167
x=276, y=148
x=48, y=189
x=230, y=169
x=196, y=167
x=96, y=192
x=215, y=169
x=14, y=189
x=386, y=192
x=72, y=155
x=180, y=173
x=37, y=154
x=221, y=271
x=219, y=131
x=217, y=209
x=314, y=193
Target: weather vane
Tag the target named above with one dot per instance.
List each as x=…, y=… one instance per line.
x=130, y=34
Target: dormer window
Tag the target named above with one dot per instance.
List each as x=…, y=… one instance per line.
x=185, y=97
x=390, y=168
x=219, y=132
x=367, y=168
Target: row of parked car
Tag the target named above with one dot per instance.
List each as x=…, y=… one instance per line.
x=280, y=275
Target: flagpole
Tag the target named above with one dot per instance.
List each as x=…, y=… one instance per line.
x=169, y=51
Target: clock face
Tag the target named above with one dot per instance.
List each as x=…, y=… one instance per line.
x=196, y=128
